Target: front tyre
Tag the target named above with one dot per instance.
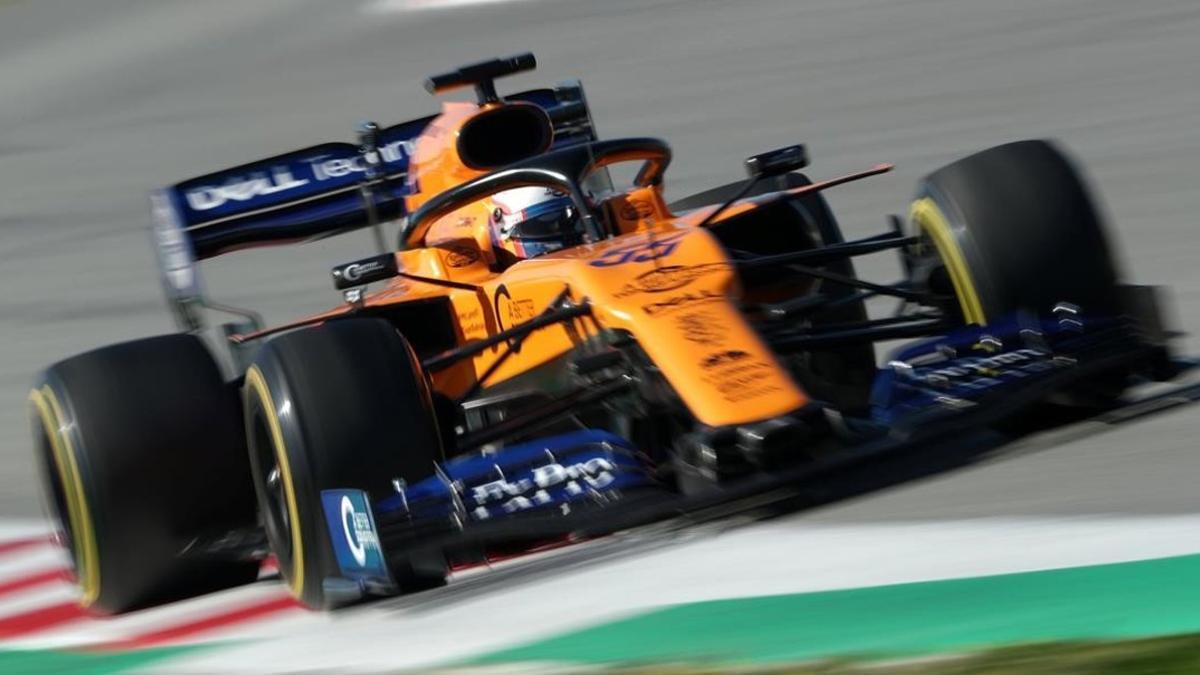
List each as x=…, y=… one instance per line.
x=1014, y=228
x=344, y=405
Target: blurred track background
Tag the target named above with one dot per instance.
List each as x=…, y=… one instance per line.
x=102, y=100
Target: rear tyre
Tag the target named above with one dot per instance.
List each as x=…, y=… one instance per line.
x=1014, y=228
x=344, y=405
x=142, y=453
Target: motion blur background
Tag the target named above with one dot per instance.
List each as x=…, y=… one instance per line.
x=102, y=100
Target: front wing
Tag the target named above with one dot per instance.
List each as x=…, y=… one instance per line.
x=591, y=483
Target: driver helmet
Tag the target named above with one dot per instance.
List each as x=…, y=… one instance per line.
x=532, y=221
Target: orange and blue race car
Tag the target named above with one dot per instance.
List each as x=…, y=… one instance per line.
x=550, y=353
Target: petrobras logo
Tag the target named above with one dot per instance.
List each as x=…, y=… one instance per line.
x=356, y=271
x=534, y=489
x=284, y=178
x=358, y=531
x=353, y=535
x=361, y=272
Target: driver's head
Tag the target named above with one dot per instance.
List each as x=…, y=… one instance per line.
x=532, y=221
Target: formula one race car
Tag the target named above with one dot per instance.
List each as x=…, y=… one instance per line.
x=550, y=354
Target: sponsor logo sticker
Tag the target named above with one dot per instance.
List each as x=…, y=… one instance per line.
x=353, y=535
x=361, y=272
x=460, y=255
x=739, y=377
x=241, y=189
x=535, y=489
x=668, y=278
x=702, y=328
x=979, y=373
x=723, y=358
x=356, y=271
x=288, y=177
x=681, y=301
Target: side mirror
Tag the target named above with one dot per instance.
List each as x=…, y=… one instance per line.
x=363, y=272
x=777, y=162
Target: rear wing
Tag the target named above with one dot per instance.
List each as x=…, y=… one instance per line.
x=307, y=194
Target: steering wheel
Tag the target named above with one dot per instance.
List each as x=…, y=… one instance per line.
x=562, y=170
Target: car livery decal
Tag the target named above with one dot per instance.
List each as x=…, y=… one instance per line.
x=353, y=535
x=653, y=248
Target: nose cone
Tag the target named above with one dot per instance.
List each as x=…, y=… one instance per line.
x=676, y=292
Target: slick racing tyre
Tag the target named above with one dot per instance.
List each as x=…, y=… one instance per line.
x=1014, y=228
x=142, y=455
x=841, y=376
x=344, y=405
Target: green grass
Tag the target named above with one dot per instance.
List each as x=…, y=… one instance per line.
x=1123, y=601
x=1154, y=656
x=20, y=662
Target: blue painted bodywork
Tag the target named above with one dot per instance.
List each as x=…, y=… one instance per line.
x=551, y=473
x=960, y=368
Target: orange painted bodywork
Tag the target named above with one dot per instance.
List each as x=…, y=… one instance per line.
x=666, y=324
x=435, y=167
x=665, y=281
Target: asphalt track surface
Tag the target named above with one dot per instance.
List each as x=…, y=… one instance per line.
x=102, y=100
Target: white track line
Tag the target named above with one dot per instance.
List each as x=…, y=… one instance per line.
x=20, y=529
x=286, y=623
x=38, y=560
x=32, y=560
x=36, y=598
x=130, y=626
x=43, y=559
x=788, y=556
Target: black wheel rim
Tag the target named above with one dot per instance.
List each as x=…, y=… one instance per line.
x=274, y=503
x=54, y=491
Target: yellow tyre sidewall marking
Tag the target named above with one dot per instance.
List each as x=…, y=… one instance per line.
x=926, y=215
x=83, y=536
x=256, y=382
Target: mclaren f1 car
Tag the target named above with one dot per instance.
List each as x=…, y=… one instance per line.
x=548, y=353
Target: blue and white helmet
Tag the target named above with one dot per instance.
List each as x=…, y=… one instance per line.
x=532, y=221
